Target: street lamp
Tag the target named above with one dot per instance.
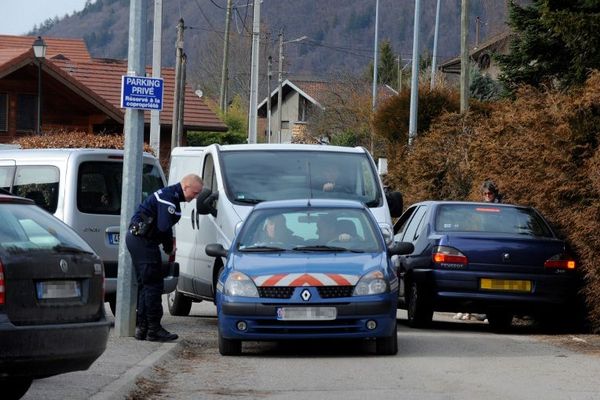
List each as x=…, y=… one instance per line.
x=39, y=50
x=280, y=79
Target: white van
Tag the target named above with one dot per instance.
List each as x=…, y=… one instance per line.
x=82, y=187
x=236, y=177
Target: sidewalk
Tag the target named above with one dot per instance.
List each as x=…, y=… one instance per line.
x=112, y=376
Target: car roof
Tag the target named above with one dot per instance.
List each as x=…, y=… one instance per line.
x=62, y=153
x=8, y=198
x=456, y=202
x=290, y=146
x=317, y=203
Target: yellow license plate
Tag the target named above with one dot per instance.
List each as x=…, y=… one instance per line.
x=505, y=285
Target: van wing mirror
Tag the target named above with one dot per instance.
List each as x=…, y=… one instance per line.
x=205, y=202
x=395, y=203
x=399, y=248
x=215, y=250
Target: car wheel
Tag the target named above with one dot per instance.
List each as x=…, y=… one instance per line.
x=418, y=306
x=229, y=347
x=15, y=388
x=179, y=304
x=387, y=346
x=500, y=321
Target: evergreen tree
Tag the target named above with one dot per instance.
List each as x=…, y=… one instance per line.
x=555, y=43
x=387, y=64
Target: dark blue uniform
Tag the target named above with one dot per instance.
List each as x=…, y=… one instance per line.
x=151, y=225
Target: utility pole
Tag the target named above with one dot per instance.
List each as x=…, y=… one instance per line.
x=132, y=172
x=375, y=64
x=399, y=75
x=435, y=44
x=252, y=117
x=175, y=139
x=279, y=89
x=414, y=87
x=269, y=75
x=464, y=56
x=477, y=25
x=156, y=72
x=225, y=69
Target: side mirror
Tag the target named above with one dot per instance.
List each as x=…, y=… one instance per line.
x=215, y=250
x=395, y=203
x=204, y=202
x=399, y=248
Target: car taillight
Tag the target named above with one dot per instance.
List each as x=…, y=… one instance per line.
x=2, y=286
x=448, y=256
x=560, y=261
x=172, y=255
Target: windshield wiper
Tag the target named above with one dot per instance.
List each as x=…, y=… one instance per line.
x=249, y=201
x=320, y=247
x=70, y=249
x=262, y=248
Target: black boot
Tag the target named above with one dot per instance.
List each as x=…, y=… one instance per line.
x=160, y=334
x=141, y=331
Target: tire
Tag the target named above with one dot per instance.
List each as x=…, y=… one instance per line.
x=14, y=388
x=229, y=347
x=387, y=346
x=500, y=321
x=418, y=306
x=179, y=304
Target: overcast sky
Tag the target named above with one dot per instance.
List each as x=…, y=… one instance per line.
x=18, y=17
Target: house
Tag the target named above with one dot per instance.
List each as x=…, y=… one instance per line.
x=79, y=92
x=482, y=55
x=301, y=98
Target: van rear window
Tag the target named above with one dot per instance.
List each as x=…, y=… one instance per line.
x=36, y=182
x=99, y=186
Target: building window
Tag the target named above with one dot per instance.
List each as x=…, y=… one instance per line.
x=3, y=112
x=26, y=112
x=302, y=109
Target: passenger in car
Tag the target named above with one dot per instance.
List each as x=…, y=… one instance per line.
x=275, y=230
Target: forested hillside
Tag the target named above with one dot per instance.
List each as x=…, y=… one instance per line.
x=340, y=33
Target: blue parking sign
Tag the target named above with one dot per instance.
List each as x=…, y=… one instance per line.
x=141, y=93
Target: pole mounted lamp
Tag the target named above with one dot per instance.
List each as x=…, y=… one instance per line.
x=39, y=50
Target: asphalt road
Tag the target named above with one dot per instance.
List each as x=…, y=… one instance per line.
x=451, y=360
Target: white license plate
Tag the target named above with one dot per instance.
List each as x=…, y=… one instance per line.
x=306, y=313
x=113, y=238
x=58, y=289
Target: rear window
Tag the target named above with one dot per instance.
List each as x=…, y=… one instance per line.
x=26, y=228
x=99, y=186
x=490, y=218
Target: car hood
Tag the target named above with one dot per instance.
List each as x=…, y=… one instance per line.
x=306, y=269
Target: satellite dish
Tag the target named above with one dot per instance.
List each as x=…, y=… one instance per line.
x=199, y=93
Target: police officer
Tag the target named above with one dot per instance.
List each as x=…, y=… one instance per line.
x=151, y=225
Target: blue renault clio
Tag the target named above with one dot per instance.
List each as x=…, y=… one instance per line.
x=307, y=269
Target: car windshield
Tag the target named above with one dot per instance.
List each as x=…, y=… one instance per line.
x=313, y=230
x=28, y=228
x=490, y=218
x=255, y=176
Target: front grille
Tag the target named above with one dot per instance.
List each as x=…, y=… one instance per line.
x=308, y=327
x=276, y=292
x=331, y=292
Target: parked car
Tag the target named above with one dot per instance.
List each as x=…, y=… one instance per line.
x=498, y=259
x=307, y=269
x=82, y=187
x=52, y=316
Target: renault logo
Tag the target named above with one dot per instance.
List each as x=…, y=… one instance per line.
x=305, y=295
x=506, y=257
x=64, y=267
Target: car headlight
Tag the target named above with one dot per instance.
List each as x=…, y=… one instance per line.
x=373, y=282
x=239, y=284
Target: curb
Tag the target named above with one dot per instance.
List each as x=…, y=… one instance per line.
x=121, y=388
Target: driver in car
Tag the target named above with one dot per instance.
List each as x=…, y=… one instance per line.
x=327, y=230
